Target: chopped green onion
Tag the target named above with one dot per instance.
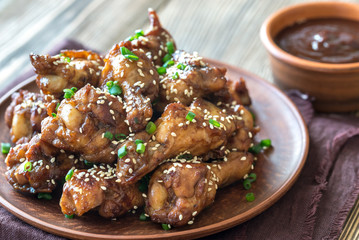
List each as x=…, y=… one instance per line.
x=166, y=58
x=122, y=152
x=57, y=106
x=109, y=84
x=143, y=217
x=140, y=148
x=181, y=66
x=252, y=177
x=186, y=156
x=87, y=163
x=53, y=115
x=46, y=196
x=115, y=90
x=138, y=33
x=255, y=149
x=135, y=119
x=27, y=166
x=128, y=54
x=170, y=47
x=120, y=136
x=69, y=216
x=190, y=116
x=68, y=93
x=250, y=197
x=214, y=123
x=108, y=135
x=247, y=184
x=74, y=89
x=143, y=187
x=150, y=127
x=137, y=141
x=67, y=59
x=253, y=116
x=161, y=70
x=166, y=226
x=175, y=76
x=5, y=148
x=69, y=174
x=266, y=143
x=169, y=63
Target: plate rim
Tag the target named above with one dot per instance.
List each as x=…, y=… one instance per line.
x=197, y=232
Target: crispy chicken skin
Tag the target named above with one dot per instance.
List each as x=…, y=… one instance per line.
x=175, y=135
x=49, y=165
x=69, y=69
x=153, y=43
x=180, y=191
x=25, y=113
x=97, y=188
x=138, y=79
x=82, y=121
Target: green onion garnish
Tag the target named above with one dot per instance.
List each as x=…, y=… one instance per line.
x=137, y=141
x=57, y=106
x=170, y=47
x=69, y=174
x=166, y=226
x=181, y=66
x=46, y=196
x=128, y=54
x=109, y=84
x=143, y=217
x=166, y=58
x=67, y=59
x=108, y=135
x=266, y=143
x=175, y=76
x=120, y=136
x=53, y=115
x=138, y=33
x=150, y=127
x=255, y=149
x=68, y=93
x=252, y=177
x=115, y=90
x=140, y=148
x=250, y=197
x=74, y=89
x=247, y=184
x=190, y=116
x=27, y=166
x=161, y=70
x=5, y=148
x=87, y=163
x=122, y=152
x=214, y=123
x=69, y=216
x=169, y=63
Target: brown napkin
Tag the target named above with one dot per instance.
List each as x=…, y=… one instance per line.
x=315, y=207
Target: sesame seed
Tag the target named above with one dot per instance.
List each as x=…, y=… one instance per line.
x=194, y=213
x=180, y=217
x=144, y=195
x=103, y=188
x=250, y=135
x=47, y=167
x=130, y=170
x=52, y=160
x=173, y=134
x=188, y=166
x=243, y=158
x=190, y=222
x=209, y=189
x=71, y=156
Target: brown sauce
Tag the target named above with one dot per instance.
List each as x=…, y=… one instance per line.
x=331, y=40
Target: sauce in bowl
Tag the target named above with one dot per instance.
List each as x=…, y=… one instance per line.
x=331, y=40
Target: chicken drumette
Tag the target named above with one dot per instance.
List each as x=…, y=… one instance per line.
x=36, y=166
x=97, y=188
x=180, y=191
x=82, y=122
x=207, y=134
x=69, y=69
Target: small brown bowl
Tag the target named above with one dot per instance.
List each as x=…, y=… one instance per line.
x=335, y=87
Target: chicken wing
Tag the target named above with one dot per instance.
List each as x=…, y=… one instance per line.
x=82, y=122
x=97, y=188
x=69, y=69
x=209, y=130
x=36, y=166
x=25, y=113
x=180, y=191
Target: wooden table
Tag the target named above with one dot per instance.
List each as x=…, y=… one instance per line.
x=222, y=30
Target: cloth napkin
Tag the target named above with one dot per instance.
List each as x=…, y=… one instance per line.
x=314, y=208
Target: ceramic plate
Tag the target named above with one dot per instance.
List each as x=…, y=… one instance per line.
x=279, y=120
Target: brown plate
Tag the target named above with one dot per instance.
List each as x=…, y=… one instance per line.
x=279, y=120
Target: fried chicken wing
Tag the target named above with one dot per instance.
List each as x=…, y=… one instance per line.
x=180, y=191
x=25, y=113
x=138, y=80
x=97, y=188
x=83, y=120
x=209, y=130
x=69, y=69
x=36, y=166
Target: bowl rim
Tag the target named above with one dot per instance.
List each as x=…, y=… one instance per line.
x=279, y=53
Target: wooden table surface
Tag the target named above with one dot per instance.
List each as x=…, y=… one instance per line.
x=224, y=30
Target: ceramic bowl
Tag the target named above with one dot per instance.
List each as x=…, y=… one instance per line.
x=334, y=86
